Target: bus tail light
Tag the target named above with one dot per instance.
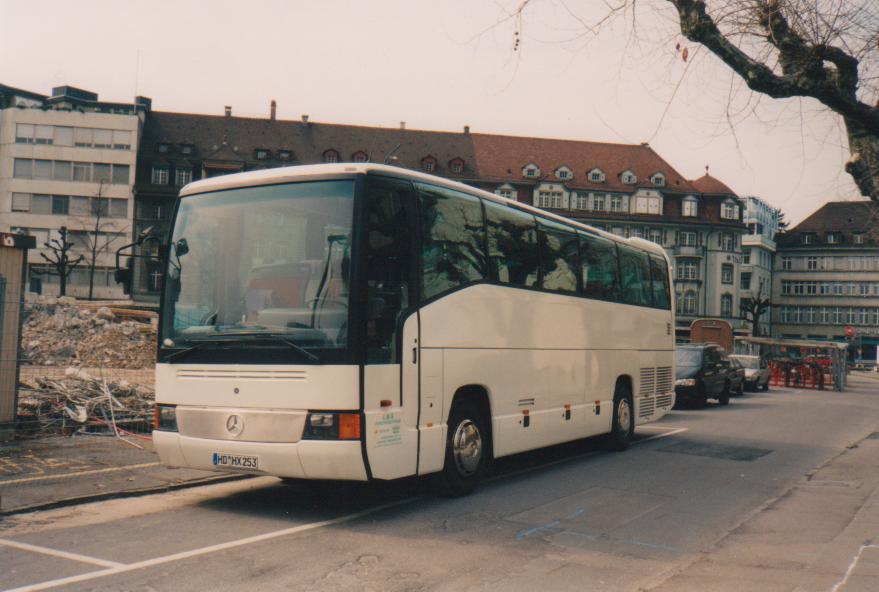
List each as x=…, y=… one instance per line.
x=166, y=418
x=322, y=425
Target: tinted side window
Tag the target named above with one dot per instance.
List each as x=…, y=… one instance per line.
x=635, y=272
x=452, y=233
x=389, y=255
x=659, y=281
x=600, y=273
x=512, y=245
x=559, y=257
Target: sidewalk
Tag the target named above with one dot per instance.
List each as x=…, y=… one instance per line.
x=61, y=470
x=822, y=535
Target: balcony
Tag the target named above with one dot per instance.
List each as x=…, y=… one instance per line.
x=688, y=251
x=758, y=240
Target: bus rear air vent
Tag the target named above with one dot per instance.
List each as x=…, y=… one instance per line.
x=240, y=374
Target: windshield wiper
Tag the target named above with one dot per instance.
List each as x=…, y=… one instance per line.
x=249, y=336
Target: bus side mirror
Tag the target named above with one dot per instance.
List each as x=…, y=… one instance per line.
x=182, y=247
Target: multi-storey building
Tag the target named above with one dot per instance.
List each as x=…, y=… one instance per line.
x=826, y=277
x=627, y=189
x=758, y=251
x=67, y=161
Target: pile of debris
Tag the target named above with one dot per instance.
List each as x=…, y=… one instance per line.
x=64, y=332
x=80, y=402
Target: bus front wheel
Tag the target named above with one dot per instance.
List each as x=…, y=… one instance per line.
x=623, y=425
x=467, y=450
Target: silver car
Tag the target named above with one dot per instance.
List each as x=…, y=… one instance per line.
x=756, y=372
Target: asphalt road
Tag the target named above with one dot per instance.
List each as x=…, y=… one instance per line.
x=574, y=517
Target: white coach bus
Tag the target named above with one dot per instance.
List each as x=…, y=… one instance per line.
x=361, y=321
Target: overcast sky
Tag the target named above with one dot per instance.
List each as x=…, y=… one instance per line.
x=439, y=65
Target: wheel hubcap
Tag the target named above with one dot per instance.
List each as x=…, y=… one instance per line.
x=467, y=447
x=624, y=416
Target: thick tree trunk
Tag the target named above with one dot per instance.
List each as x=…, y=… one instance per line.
x=864, y=163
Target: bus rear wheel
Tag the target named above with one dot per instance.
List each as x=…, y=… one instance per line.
x=467, y=450
x=623, y=424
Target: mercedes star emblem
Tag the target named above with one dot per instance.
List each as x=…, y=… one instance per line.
x=235, y=424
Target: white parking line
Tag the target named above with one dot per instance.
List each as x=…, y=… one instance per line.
x=76, y=473
x=671, y=432
x=57, y=553
x=123, y=568
x=852, y=565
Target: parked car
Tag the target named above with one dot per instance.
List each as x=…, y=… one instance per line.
x=756, y=372
x=701, y=374
x=736, y=375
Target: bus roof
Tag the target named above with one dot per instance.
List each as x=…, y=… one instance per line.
x=328, y=171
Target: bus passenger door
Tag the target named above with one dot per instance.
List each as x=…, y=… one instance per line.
x=390, y=374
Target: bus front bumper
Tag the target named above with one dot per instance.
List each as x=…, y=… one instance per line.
x=306, y=459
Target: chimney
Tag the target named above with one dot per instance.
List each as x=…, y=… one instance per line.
x=402, y=125
x=305, y=120
x=466, y=130
x=228, y=110
x=273, y=110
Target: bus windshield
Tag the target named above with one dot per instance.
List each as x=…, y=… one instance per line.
x=262, y=262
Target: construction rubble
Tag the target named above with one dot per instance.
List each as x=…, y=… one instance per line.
x=80, y=402
x=66, y=332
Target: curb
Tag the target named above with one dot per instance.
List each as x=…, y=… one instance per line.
x=97, y=497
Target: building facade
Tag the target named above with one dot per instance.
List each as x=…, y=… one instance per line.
x=826, y=277
x=68, y=161
x=758, y=253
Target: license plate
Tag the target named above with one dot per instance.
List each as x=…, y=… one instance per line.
x=236, y=461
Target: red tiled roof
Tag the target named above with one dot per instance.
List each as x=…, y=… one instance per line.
x=501, y=158
x=708, y=184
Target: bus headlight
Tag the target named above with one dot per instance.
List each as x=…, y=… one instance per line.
x=685, y=382
x=332, y=426
x=166, y=418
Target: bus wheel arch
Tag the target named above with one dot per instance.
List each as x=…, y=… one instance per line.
x=478, y=395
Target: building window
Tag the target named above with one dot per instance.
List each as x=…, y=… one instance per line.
x=811, y=263
x=359, y=156
x=616, y=203
x=654, y=235
x=834, y=238
x=687, y=269
x=691, y=207
x=808, y=239
x=549, y=199
x=726, y=305
x=745, y=280
x=687, y=239
x=563, y=173
x=331, y=156
x=507, y=191
x=730, y=211
x=598, y=203
x=647, y=205
x=746, y=256
x=687, y=303
x=596, y=176
x=284, y=155
x=163, y=148
x=658, y=180
x=186, y=149
x=262, y=154
x=726, y=241
x=160, y=175
x=457, y=166
x=428, y=165
x=21, y=202
x=183, y=176
x=629, y=178
x=726, y=273
x=786, y=263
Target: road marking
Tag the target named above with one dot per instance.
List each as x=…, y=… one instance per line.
x=57, y=553
x=123, y=568
x=671, y=432
x=852, y=565
x=77, y=473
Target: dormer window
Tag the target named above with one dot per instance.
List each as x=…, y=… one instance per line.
x=456, y=165
x=730, y=210
x=186, y=149
x=284, y=155
x=532, y=171
x=834, y=238
x=658, y=180
x=564, y=173
x=262, y=154
x=690, y=207
x=428, y=164
x=331, y=156
x=858, y=238
x=808, y=239
x=508, y=191
x=596, y=176
x=628, y=177
x=163, y=148
x=359, y=156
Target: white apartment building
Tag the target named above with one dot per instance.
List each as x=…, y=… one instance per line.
x=68, y=160
x=758, y=250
